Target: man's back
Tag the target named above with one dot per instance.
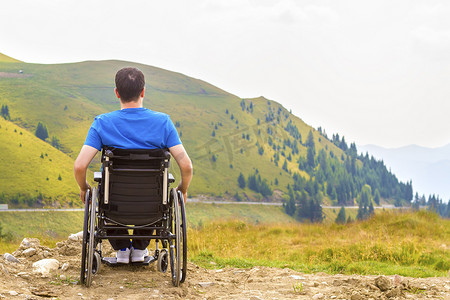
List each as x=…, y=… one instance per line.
x=133, y=128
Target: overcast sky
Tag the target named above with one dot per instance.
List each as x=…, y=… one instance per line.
x=376, y=71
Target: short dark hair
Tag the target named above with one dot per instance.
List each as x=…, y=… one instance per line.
x=129, y=83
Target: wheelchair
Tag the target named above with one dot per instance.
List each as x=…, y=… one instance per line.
x=134, y=188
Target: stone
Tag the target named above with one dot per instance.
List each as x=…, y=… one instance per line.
x=356, y=296
x=46, y=254
x=29, y=252
x=318, y=296
x=29, y=243
x=3, y=268
x=10, y=258
x=297, y=277
x=13, y=293
x=206, y=284
x=62, y=277
x=76, y=237
x=65, y=267
x=383, y=283
x=397, y=280
x=395, y=292
x=45, y=266
x=338, y=282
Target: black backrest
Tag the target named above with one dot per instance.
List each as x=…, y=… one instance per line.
x=136, y=184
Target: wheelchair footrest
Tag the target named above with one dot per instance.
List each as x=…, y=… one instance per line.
x=112, y=261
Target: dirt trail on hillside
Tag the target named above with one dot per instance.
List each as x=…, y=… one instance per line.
x=18, y=280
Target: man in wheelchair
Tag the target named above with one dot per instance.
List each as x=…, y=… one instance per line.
x=131, y=127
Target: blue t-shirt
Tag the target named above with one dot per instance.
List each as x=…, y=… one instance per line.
x=133, y=128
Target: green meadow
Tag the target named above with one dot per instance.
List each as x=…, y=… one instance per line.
x=219, y=235
x=33, y=169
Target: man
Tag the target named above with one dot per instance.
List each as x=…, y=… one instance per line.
x=132, y=127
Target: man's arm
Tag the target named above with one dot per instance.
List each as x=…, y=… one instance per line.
x=184, y=162
x=82, y=162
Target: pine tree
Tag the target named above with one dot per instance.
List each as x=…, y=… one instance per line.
x=376, y=197
x=241, y=181
x=311, y=152
x=5, y=112
x=41, y=131
x=55, y=142
x=365, y=201
x=289, y=206
x=341, y=217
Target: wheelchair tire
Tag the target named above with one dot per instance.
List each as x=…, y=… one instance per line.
x=163, y=261
x=91, y=241
x=85, y=237
x=183, y=237
x=175, y=244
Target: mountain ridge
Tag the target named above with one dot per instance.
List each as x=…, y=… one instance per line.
x=429, y=168
x=225, y=135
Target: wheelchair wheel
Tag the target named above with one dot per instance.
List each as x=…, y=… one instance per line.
x=183, y=240
x=163, y=261
x=85, y=237
x=87, y=250
x=175, y=244
x=91, y=241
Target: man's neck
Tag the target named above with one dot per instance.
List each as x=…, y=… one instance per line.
x=131, y=104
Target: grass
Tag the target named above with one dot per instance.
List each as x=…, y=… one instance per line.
x=392, y=242
x=32, y=167
x=408, y=244
x=49, y=227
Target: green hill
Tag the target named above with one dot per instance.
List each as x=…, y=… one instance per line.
x=35, y=171
x=5, y=58
x=224, y=134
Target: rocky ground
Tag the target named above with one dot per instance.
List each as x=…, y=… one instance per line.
x=37, y=272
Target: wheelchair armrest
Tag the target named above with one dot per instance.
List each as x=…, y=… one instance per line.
x=97, y=176
x=171, y=178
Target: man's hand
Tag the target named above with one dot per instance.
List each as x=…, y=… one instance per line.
x=184, y=194
x=81, y=164
x=83, y=193
x=185, y=164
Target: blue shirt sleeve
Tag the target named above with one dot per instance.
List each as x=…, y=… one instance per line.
x=172, y=138
x=93, y=139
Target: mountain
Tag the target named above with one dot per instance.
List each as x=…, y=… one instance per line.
x=226, y=136
x=428, y=168
x=5, y=58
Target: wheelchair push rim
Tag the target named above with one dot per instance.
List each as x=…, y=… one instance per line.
x=175, y=244
x=183, y=237
x=88, y=266
x=85, y=237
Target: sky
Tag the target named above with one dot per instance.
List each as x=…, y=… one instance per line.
x=375, y=72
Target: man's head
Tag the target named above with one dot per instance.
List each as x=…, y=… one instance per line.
x=130, y=83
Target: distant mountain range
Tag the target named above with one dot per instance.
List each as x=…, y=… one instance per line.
x=428, y=168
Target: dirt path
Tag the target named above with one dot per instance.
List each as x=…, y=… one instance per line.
x=19, y=281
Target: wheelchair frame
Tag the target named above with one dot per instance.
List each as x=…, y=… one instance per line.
x=169, y=227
